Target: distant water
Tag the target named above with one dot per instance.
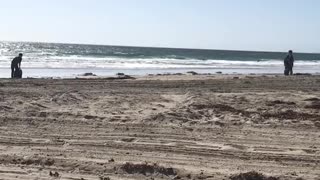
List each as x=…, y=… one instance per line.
x=67, y=60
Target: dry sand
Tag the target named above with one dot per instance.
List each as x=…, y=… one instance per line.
x=160, y=127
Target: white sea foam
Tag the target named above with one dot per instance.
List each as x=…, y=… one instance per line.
x=155, y=63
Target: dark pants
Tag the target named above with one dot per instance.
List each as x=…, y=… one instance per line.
x=288, y=71
x=13, y=69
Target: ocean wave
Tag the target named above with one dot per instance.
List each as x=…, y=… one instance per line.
x=46, y=55
x=132, y=63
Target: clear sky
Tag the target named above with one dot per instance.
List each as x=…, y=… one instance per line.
x=266, y=25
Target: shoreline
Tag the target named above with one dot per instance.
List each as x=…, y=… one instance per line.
x=169, y=76
x=58, y=73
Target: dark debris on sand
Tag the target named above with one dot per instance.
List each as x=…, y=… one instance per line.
x=146, y=168
x=272, y=103
x=29, y=161
x=289, y=114
x=252, y=176
x=104, y=178
x=312, y=99
x=192, y=73
x=54, y=174
x=315, y=103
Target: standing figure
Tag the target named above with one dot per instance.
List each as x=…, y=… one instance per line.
x=16, y=65
x=288, y=64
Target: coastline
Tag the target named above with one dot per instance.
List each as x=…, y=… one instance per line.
x=105, y=72
x=198, y=126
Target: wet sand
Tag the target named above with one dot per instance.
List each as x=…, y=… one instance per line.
x=160, y=127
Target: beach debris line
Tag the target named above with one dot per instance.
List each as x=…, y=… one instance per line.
x=88, y=74
x=279, y=102
x=303, y=74
x=124, y=76
x=192, y=73
x=252, y=176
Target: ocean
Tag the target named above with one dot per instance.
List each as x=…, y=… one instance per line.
x=70, y=60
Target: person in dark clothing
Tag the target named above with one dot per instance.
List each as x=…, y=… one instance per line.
x=16, y=65
x=288, y=64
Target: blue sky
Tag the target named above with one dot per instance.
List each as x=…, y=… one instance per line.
x=265, y=25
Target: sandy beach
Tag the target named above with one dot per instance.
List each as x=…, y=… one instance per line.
x=160, y=127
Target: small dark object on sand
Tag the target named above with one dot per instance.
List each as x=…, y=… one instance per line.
x=120, y=77
x=48, y=162
x=120, y=74
x=219, y=72
x=313, y=105
x=88, y=74
x=127, y=77
x=90, y=117
x=252, y=176
x=192, y=73
x=124, y=76
x=56, y=174
x=317, y=124
x=104, y=178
